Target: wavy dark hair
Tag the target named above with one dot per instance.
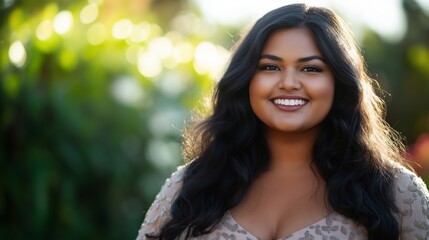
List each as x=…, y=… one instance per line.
x=355, y=153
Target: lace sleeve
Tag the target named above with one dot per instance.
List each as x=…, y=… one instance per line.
x=159, y=211
x=412, y=199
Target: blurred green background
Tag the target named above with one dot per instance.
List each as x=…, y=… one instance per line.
x=94, y=94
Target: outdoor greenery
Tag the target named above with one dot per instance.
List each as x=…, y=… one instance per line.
x=94, y=94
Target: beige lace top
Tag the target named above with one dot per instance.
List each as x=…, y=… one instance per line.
x=412, y=198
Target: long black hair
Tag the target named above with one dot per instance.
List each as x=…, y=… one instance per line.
x=355, y=152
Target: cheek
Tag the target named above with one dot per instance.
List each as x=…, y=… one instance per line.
x=258, y=91
x=253, y=93
x=327, y=96
x=261, y=87
x=256, y=83
x=324, y=89
x=322, y=94
x=327, y=92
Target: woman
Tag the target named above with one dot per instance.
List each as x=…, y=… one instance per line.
x=296, y=146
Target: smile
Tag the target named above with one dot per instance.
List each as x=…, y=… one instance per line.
x=290, y=102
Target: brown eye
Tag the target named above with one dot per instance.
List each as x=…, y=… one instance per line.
x=269, y=67
x=311, y=69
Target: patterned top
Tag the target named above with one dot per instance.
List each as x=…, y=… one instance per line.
x=412, y=198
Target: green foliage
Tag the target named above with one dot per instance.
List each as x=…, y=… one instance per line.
x=89, y=132
x=402, y=68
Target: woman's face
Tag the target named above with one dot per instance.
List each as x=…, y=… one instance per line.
x=293, y=88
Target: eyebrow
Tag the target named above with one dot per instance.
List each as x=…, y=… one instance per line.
x=304, y=59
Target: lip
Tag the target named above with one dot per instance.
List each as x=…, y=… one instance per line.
x=289, y=97
x=289, y=108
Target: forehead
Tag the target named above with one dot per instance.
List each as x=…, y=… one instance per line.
x=292, y=41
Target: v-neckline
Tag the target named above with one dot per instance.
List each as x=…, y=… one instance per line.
x=282, y=238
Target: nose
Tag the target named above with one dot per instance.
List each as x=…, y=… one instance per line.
x=289, y=81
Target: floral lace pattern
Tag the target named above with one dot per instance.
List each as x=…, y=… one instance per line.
x=332, y=227
x=412, y=199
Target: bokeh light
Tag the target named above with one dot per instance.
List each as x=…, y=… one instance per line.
x=44, y=30
x=209, y=59
x=161, y=47
x=162, y=153
x=132, y=53
x=97, y=34
x=173, y=84
x=149, y=64
x=89, y=13
x=6, y=3
x=165, y=122
x=17, y=54
x=122, y=29
x=140, y=32
x=63, y=22
x=184, y=52
x=205, y=55
x=127, y=90
x=98, y=2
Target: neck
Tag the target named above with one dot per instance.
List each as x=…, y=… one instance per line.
x=291, y=151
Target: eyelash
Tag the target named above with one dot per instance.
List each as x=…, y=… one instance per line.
x=312, y=69
x=272, y=67
x=269, y=67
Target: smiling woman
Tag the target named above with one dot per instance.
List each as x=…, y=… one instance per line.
x=296, y=146
x=293, y=88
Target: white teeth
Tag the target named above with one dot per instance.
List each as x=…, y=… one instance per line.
x=290, y=102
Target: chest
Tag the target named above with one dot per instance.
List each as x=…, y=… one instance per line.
x=334, y=226
x=286, y=204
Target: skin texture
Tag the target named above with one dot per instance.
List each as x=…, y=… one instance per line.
x=290, y=195
x=284, y=72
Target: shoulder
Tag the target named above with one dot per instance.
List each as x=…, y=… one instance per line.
x=412, y=200
x=409, y=187
x=171, y=187
x=159, y=211
x=174, y=182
